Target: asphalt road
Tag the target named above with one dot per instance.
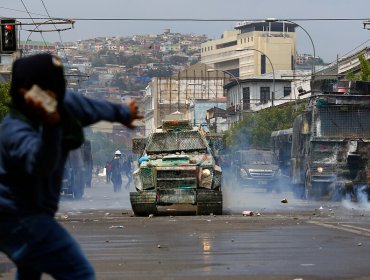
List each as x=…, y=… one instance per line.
x=293, y=240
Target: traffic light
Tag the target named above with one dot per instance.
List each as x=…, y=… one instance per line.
x=8, y=36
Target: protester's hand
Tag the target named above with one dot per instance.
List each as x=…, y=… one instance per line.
x=37, y=108
x=134, y=114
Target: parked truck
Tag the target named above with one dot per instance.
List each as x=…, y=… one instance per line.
x=330, y=142
x=77, y=172
x=177, y=170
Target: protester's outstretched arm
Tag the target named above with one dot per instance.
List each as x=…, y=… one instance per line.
x=89, y=111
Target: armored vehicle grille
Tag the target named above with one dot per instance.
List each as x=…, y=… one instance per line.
x=343, y=122
x=173, y=179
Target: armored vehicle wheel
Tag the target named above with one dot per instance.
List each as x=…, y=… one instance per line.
x=209, y=201
x=312, y=191
x=143, y=203
x=336, y=193
x=78, y=193
x=308, y=188
x=298, y=191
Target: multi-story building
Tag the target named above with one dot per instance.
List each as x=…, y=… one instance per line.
x=179, y=93
x=246, y=51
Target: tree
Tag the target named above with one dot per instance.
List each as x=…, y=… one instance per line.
x=134, y=60
x=254, y=131
x=364, y=74
x=4, y=99
x=163, y=71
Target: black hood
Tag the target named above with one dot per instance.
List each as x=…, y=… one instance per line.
x=44, y=70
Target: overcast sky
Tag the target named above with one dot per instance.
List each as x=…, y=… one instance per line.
x=331, y=38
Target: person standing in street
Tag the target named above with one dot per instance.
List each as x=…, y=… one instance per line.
x=116, y=172
x=108, y=171
x=44, y=123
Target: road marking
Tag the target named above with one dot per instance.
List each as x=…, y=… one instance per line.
x=348, y=228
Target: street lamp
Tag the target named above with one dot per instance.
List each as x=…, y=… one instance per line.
x=272, y=67
x=309, y=36
x=232, y=75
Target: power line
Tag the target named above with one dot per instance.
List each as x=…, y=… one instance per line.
x=205, y=19
x=21, y=11
x=60, y=37
x=42, y=36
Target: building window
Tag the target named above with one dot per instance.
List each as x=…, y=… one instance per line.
x=246, y=99
x=264, y=95
x=263, y=64
x=287, y=91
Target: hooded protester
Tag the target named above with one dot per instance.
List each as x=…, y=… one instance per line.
x=44, y=123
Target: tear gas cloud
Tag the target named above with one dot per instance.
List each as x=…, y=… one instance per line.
x=100, y=197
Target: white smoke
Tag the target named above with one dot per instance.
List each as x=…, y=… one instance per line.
x=100, y=197
x=359, y=200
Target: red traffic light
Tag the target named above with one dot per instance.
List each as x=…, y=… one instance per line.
x=9, y=27
x=8, y=36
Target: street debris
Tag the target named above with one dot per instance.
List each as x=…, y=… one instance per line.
x=158, y=246
x=116, y=227
x=284, y=200
x=150, y=216
x=248, y=213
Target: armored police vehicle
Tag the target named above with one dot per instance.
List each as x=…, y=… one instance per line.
x=177, y=170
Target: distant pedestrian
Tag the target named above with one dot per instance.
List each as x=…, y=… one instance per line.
x=108, y=171
x=116, y=176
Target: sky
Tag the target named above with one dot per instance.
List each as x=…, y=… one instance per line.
x=331, y=38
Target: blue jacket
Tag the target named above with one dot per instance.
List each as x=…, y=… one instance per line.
x=32, y=158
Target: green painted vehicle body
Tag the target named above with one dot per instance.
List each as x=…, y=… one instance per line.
x=177, y=170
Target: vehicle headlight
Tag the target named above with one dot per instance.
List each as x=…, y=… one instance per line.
x=206, y=180
x=320, y=169
x=206, y=172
